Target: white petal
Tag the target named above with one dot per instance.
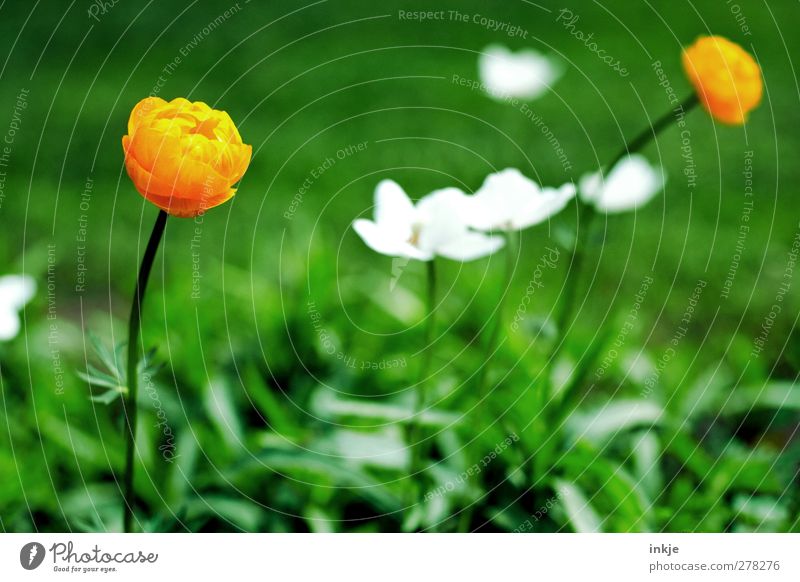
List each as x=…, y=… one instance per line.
x=526, y=74
x=381, y=241
x=501, y=197
x=16, y=291
x=590, y=186
x=9, y=324
x=548, y=202
x=393, y=207
x=631, y=183
x=470, y=246
x=375, y=238
x=441, y=215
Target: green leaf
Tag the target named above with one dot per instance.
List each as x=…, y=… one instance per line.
x=276, y=411
x=763, y=512
x=241, y=513
x=219, y=406
x=615, y=490
x=646, y=454
x=581, y=515
x=110, y=360
x=773, y=395
x=109, y=396
x=704, y=393
x=612, y=418
x=326, y=404
x=96, y=378
x=300, y=462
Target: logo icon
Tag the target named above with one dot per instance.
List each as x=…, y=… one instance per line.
x=399, y=265
x=31, y=555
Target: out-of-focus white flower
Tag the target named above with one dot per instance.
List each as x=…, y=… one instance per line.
x=15, y=292
x=435, y=226
x=526, y=74
x=510, y=201
x=630, y=184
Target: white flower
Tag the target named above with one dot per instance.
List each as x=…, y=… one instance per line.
x=630, y=184
x=435, y=226
x=15, y=292
x=525, y=75
x=510, y=201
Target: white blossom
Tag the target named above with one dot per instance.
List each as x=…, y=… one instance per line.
x=526, y=74
x=15, y=292
x=630, y=184
x=435, y=226
x=508, y=200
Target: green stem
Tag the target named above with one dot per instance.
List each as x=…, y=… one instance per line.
x=586, y=215
x=649, y=133
x=414, y=427
x=134, y=327
x=586, y=218
x=494, y=336
x=491, y=345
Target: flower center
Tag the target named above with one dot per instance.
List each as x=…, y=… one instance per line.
x=416, y=229
x=206, y=128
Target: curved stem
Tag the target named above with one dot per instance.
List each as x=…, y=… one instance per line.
x=134, y=327
x=649, y=133
x=414, y=427
x=586, y=216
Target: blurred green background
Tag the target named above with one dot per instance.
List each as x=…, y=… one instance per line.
x=267, y=412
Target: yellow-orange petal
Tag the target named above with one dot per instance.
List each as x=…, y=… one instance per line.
x=141, y=110
x=184, y=157
x=183, y=208
x=726, y=78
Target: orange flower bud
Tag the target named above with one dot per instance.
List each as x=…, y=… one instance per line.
x=183, y=156
x=726, y=78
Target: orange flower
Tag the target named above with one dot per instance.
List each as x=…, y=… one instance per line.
x=182, y=156
x=726, y=78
